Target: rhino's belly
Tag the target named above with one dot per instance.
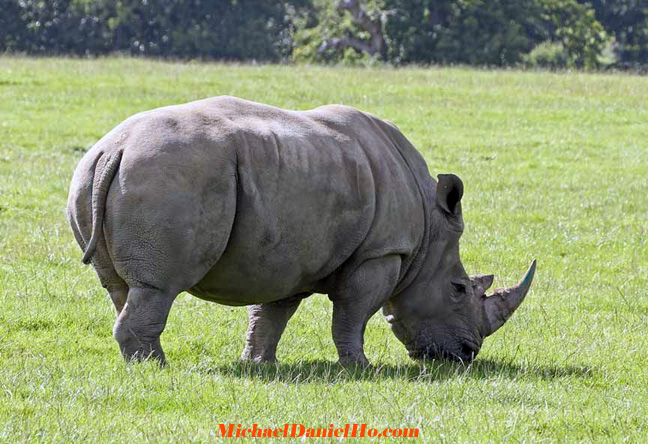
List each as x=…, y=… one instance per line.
x=266, y=260
x=236, y=299
x=217, y=296
x=231, y=282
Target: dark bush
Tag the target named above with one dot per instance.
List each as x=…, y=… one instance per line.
x=627, y=21
x=493, y=32
x=220, y=29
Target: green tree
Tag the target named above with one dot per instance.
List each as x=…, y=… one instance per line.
x=575, y=26
x=494, y=32
x=345, y=29
x=476, y=32
x=415, y=27
x=627, y=21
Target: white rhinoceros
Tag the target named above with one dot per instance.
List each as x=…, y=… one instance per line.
x=246, y=204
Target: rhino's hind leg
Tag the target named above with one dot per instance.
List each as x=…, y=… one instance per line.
x=360, y=296
x=267, y=323
x=119, y=296
x=110, y=280
x=141, y=322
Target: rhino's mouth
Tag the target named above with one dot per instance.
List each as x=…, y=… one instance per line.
x=439, y=346
x=460, y=351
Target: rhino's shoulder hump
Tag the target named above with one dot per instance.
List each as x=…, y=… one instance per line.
x=335, y=114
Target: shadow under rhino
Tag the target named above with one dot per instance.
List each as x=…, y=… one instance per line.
x=429, y=371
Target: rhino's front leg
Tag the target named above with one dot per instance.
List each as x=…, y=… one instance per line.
x=359, y=297
x=141, y=322
x=267, y=322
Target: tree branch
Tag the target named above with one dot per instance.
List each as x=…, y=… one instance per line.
x=346, y=42
x=376, y=43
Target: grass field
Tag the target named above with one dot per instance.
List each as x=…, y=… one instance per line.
x=555, y=167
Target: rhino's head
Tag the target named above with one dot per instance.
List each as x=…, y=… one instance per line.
x=445, y=313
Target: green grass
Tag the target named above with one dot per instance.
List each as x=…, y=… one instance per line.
x=555, y=167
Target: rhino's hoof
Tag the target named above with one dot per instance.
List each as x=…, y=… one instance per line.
x=146, y=354
x=354, y=362
x=258, y=359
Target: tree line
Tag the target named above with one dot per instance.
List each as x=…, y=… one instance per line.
x=539, y=33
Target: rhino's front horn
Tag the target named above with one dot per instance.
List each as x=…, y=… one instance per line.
x=499, y=306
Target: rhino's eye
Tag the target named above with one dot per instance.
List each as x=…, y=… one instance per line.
x=458, y=288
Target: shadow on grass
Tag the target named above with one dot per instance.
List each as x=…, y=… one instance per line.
x=326, y=371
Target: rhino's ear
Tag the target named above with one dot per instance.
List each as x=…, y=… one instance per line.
x=449, y=193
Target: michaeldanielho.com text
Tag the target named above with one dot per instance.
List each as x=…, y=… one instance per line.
x=299, y=430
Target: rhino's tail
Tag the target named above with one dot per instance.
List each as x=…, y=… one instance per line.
x=105, y=171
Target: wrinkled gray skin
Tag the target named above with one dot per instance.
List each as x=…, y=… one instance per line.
x=245, y=204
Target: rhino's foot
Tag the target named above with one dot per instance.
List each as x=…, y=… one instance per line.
x=140, y=324
x=354, y=361
x=137, y=351
x=266, y=323
x=249, y=355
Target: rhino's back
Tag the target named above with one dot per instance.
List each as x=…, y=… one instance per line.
x=315, y=191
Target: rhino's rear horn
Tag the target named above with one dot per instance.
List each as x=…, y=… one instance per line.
x=499, y=306
x=481, y=283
